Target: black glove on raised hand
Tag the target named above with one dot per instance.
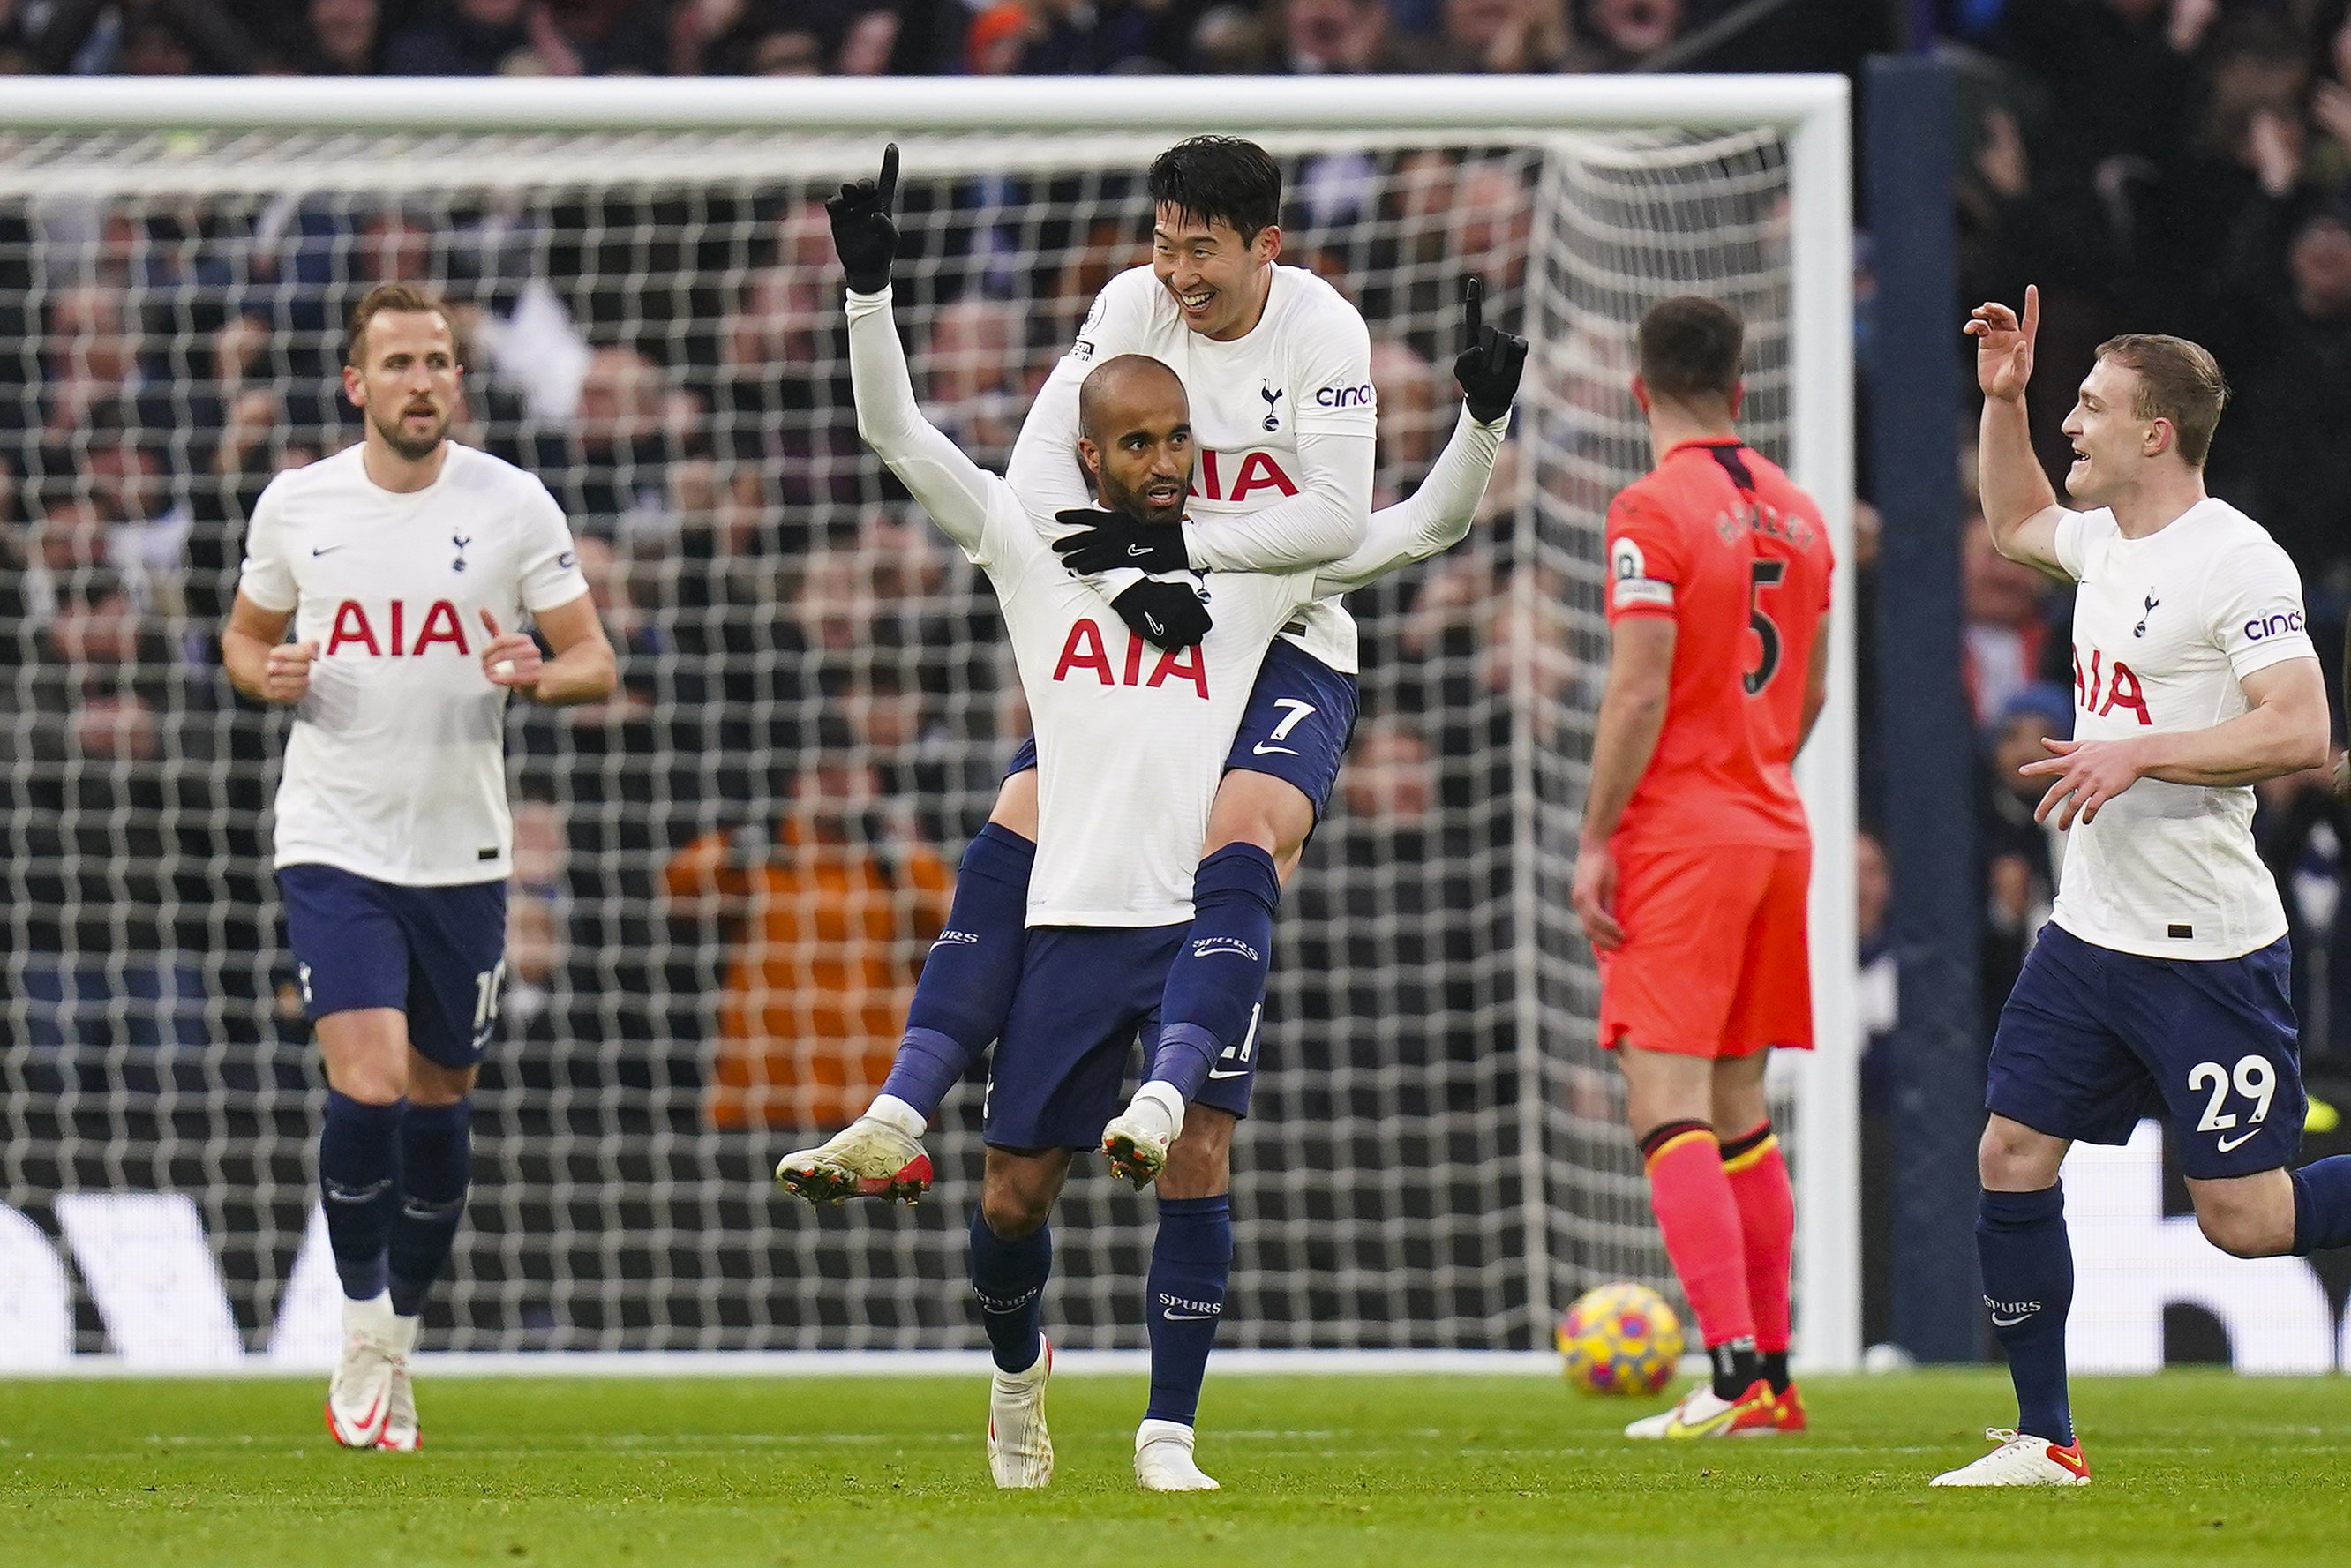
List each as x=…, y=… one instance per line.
x=1107, y=539
x=862, y=231
x=1491, y=359
x=1169, y=615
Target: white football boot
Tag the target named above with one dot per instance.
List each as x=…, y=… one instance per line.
x=359, y=1398
x=1163, y=1459
x=1704, y=1414
x=1020, y=1449
x=1137, y=1141
x=401, y=1432
x=2021, y=1461
x=868, y=1158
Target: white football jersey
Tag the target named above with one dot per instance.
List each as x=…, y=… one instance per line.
x=396, y=767
x=2165, y=629
x=1304, y=369
x=1131, y=741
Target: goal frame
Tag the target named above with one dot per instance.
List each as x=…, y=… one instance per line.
x=1813, y=111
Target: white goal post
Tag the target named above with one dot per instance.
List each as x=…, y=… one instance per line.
x=1751, y=169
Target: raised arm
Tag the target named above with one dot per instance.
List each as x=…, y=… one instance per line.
x=1440, y=513
x=1435, y=519
x=950, y=486
x=2018, y=502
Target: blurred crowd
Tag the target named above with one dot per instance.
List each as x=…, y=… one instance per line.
x=912, y=37
x=744, y=855
x=2165, y=166
x=814, y=704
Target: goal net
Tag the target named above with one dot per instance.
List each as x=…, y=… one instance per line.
x=1437, y=1156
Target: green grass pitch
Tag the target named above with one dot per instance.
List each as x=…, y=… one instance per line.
x=700, y=1473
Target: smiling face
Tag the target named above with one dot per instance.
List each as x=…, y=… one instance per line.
x=1218, y=280
x=1137, y=437
x=406, y=380
x=2112, y=444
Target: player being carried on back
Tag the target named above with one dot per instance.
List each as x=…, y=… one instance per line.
x=1277, y=366
x=1690, y=878
x=406, y=565
x=1132, y=743
x=2162, y=977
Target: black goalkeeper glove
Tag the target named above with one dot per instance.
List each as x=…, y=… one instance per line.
x=1107, y=539
x=1169, y=615
x=1491, y=359
x=862, y=233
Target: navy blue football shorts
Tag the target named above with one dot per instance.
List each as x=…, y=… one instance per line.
x=1299, y=716
x=2093, y=1040
x=1086, y=993
x=437, y=953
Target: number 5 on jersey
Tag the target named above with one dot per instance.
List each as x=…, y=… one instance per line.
x=1766, y=574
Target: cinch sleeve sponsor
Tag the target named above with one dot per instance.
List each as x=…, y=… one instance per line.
x=1642, y=563
x=1333, y=370
x=267, y=576
x=2254, y=609
x=550, y=565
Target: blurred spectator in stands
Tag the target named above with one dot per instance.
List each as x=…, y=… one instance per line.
x=1389, y=930
x=123, y=470
x=613, y=480
x=1509, y=36
x=1337, y=38
x=2020, y=855
x=344, y=38
x=975, y=377
x=1618, y=35
x=999, y=35
x=143, y=37
x=2280, y=454
x=92, y=358
x=1078, y=38
x=832, y=917
x=1406, y=385
x=114, y=852
x=2005, y=639
x=486, y=37
x=16, y=40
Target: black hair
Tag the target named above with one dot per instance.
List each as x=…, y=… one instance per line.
x=1220, y=179
x=1689, y=347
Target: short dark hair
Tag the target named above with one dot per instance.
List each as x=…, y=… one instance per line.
x=403, y=297
x=1690, y=347
x=1220, y=179
x=2178, y=381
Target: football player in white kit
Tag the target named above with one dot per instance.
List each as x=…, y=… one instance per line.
x=1277, y=365
x=2160, y=984
x=1132, y=742
x=404, y=565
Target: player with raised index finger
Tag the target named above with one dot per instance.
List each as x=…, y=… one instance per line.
x=404, y=565
x=1277, y=367
x=1133, y=743
x=2162, y=977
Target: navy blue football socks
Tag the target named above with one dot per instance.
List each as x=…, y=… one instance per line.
x=2321, y=1204
x=359, y=1173
x=1219, y=972
x=967, y=980
x=436, y=1165
x=1190, y=1263
x=2028, y=1282
x=1009, y=1278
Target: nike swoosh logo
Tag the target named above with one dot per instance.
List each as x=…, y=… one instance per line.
x=2225, y=1145
x=329, y=550
x=1138, y=549
x=1186, y=1317
x=1229, y=1072
x=1157, y=630
x=2000, y=1323
x=1261, y=749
